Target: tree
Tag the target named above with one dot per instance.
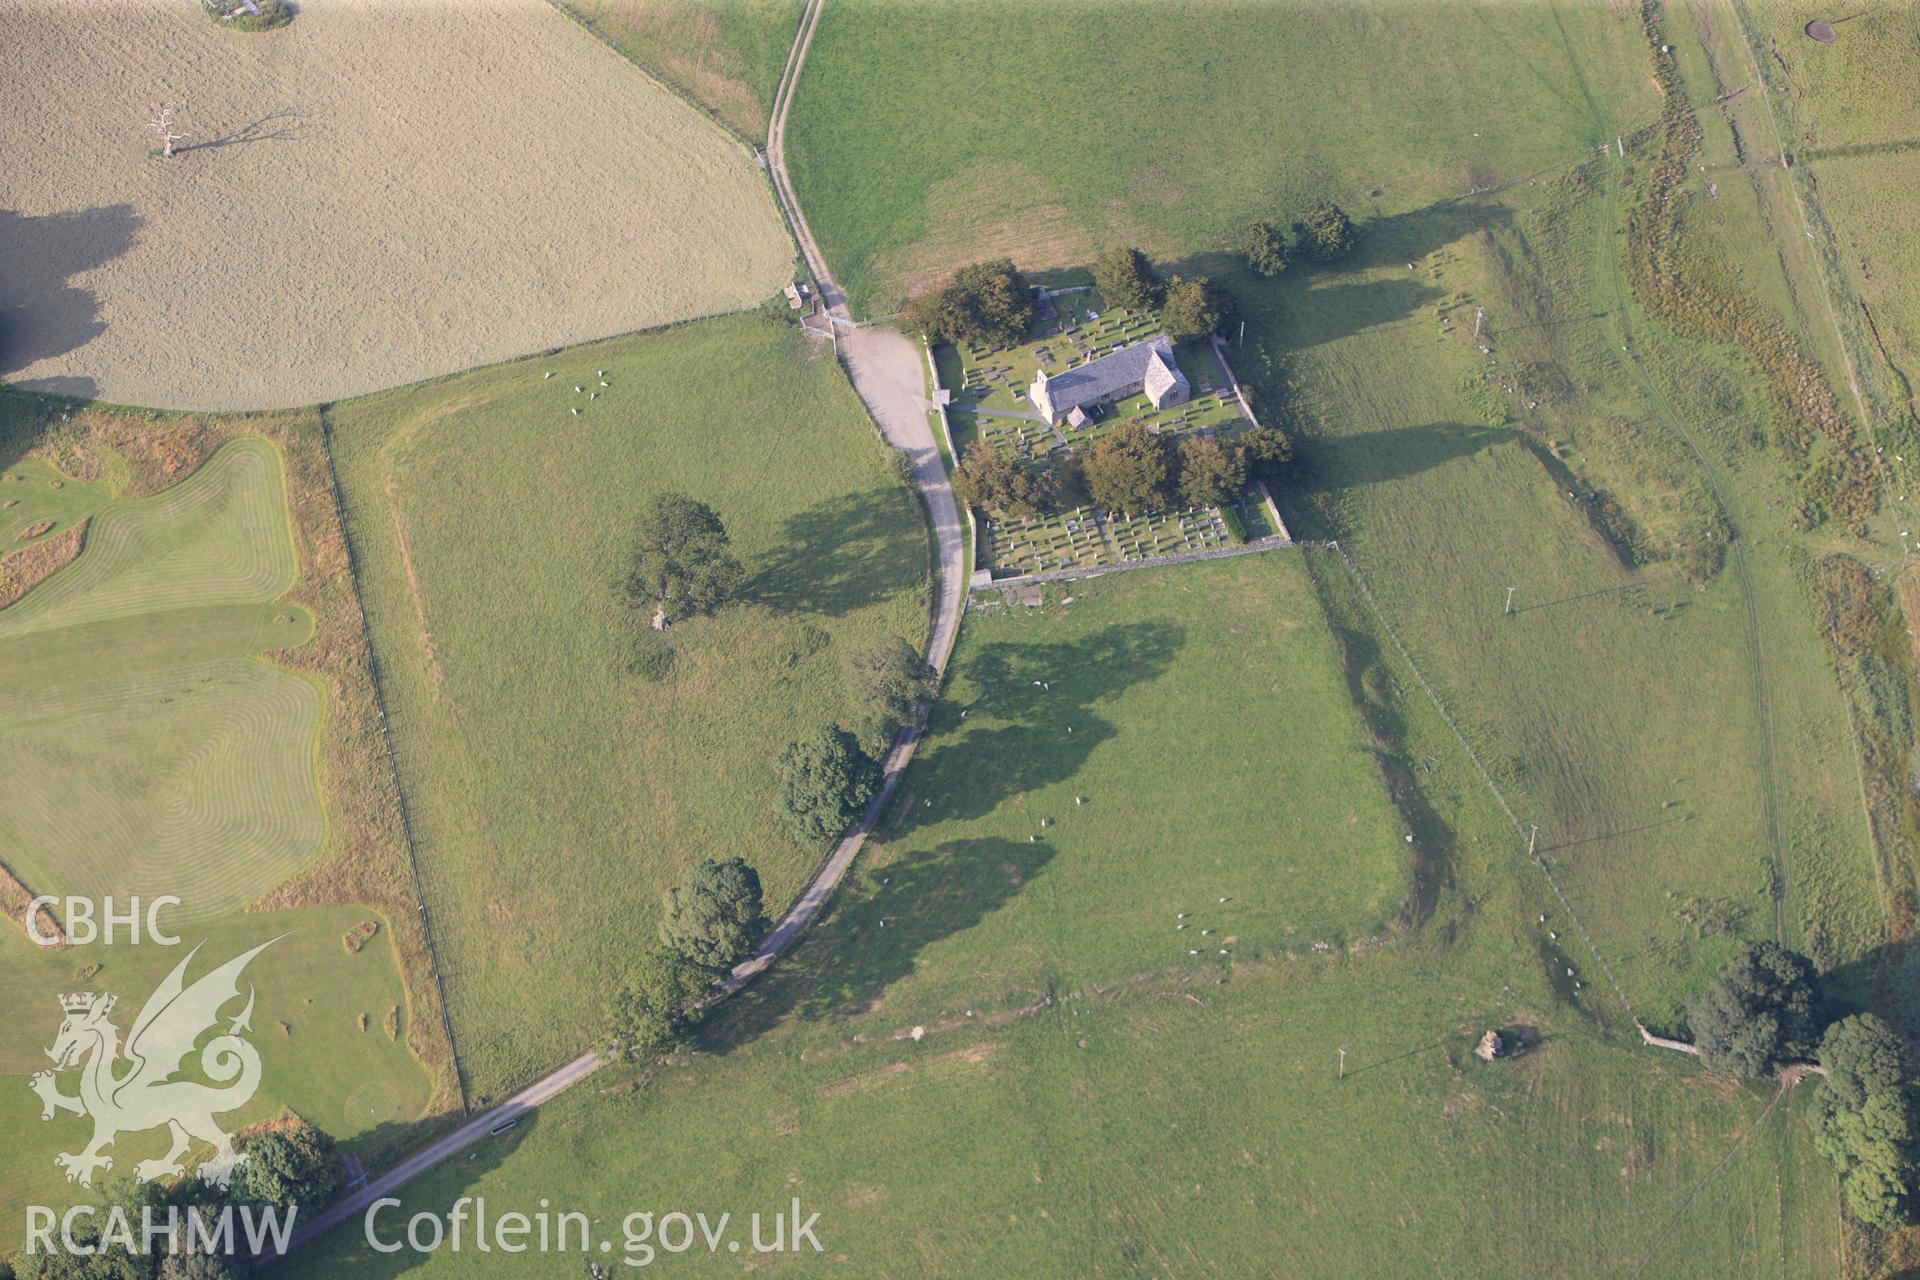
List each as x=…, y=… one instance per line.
x=1762, y=1013
x=112, y=1263
x=162, y=125
x=683, y=562
x=714, y=916
x=825, y=780
x=1210, y=472
x=1862, y=1056
x=984, y=304
x=1265, y=247
x=1324, y=232
x=194, y=1266
x=1873, y=1149
x=1125, y=278
x=654, y=1002
x=990, y=480
x=1130, y=470
x=889, y=679
x=1268, y=450
x=1194, y=308
x=297, y=1165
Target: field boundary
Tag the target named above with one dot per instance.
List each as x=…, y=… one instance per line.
x=393, y=765
x=1373, y=605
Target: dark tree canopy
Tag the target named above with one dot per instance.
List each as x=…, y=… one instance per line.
x=1130, y=470
x=1764, y=1012
x=1195, y=307
x=1265, y=247
x=887, y=680
x=1325, y=232
x=1125, y=278
x=1268, y=450
x=297, y=1165
x=655, y=1002
x=194, y=1266
x=683, y=561
x=985, y=304
x=1211, y=472
x=990, y=480
x=58, y=1264
x=825, y=780
x=1863, y=1056
x=714, y=916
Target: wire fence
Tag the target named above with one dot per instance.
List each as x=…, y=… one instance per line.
x=1553, y=882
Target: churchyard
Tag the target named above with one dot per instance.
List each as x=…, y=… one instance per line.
x=991, y=400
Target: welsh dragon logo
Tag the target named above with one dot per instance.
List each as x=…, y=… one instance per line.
x=137, y=1091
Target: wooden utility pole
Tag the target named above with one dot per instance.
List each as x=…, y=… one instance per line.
x=162, y=123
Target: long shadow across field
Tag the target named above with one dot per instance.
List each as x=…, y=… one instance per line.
x=1327, y=466
x=41, y=315
x=844, y=554
x=1022, y=697
x=875, y=932
x=1045, y=699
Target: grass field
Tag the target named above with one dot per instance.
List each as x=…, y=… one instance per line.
x=1025, y=1072
x=726, y=55
x=1850, y=111
x=354, y=1079
x=554, y=792
x=144, y=747
x=186, y=709
x=918, y=144
x=350, y=208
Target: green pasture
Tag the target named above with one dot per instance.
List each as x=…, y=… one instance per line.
x=1048, y=131
x=33, y=494
x=726, y=55
x=358, y=1083
x=554, y=790
x=996, y=1053
x=1674, y=730
x=145, y=746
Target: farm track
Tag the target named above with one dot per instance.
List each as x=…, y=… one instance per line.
x=886, y=370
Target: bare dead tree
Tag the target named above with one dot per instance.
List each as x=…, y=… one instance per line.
x=163, y=127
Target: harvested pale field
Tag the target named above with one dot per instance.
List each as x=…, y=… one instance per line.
x=375, y=194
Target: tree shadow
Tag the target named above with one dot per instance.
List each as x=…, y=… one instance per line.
x=874, y=932
x=844, y=554
x=1331, y=464
x=1044, y=698
x=41, y=315
x=850, y=957
x=286, y=125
